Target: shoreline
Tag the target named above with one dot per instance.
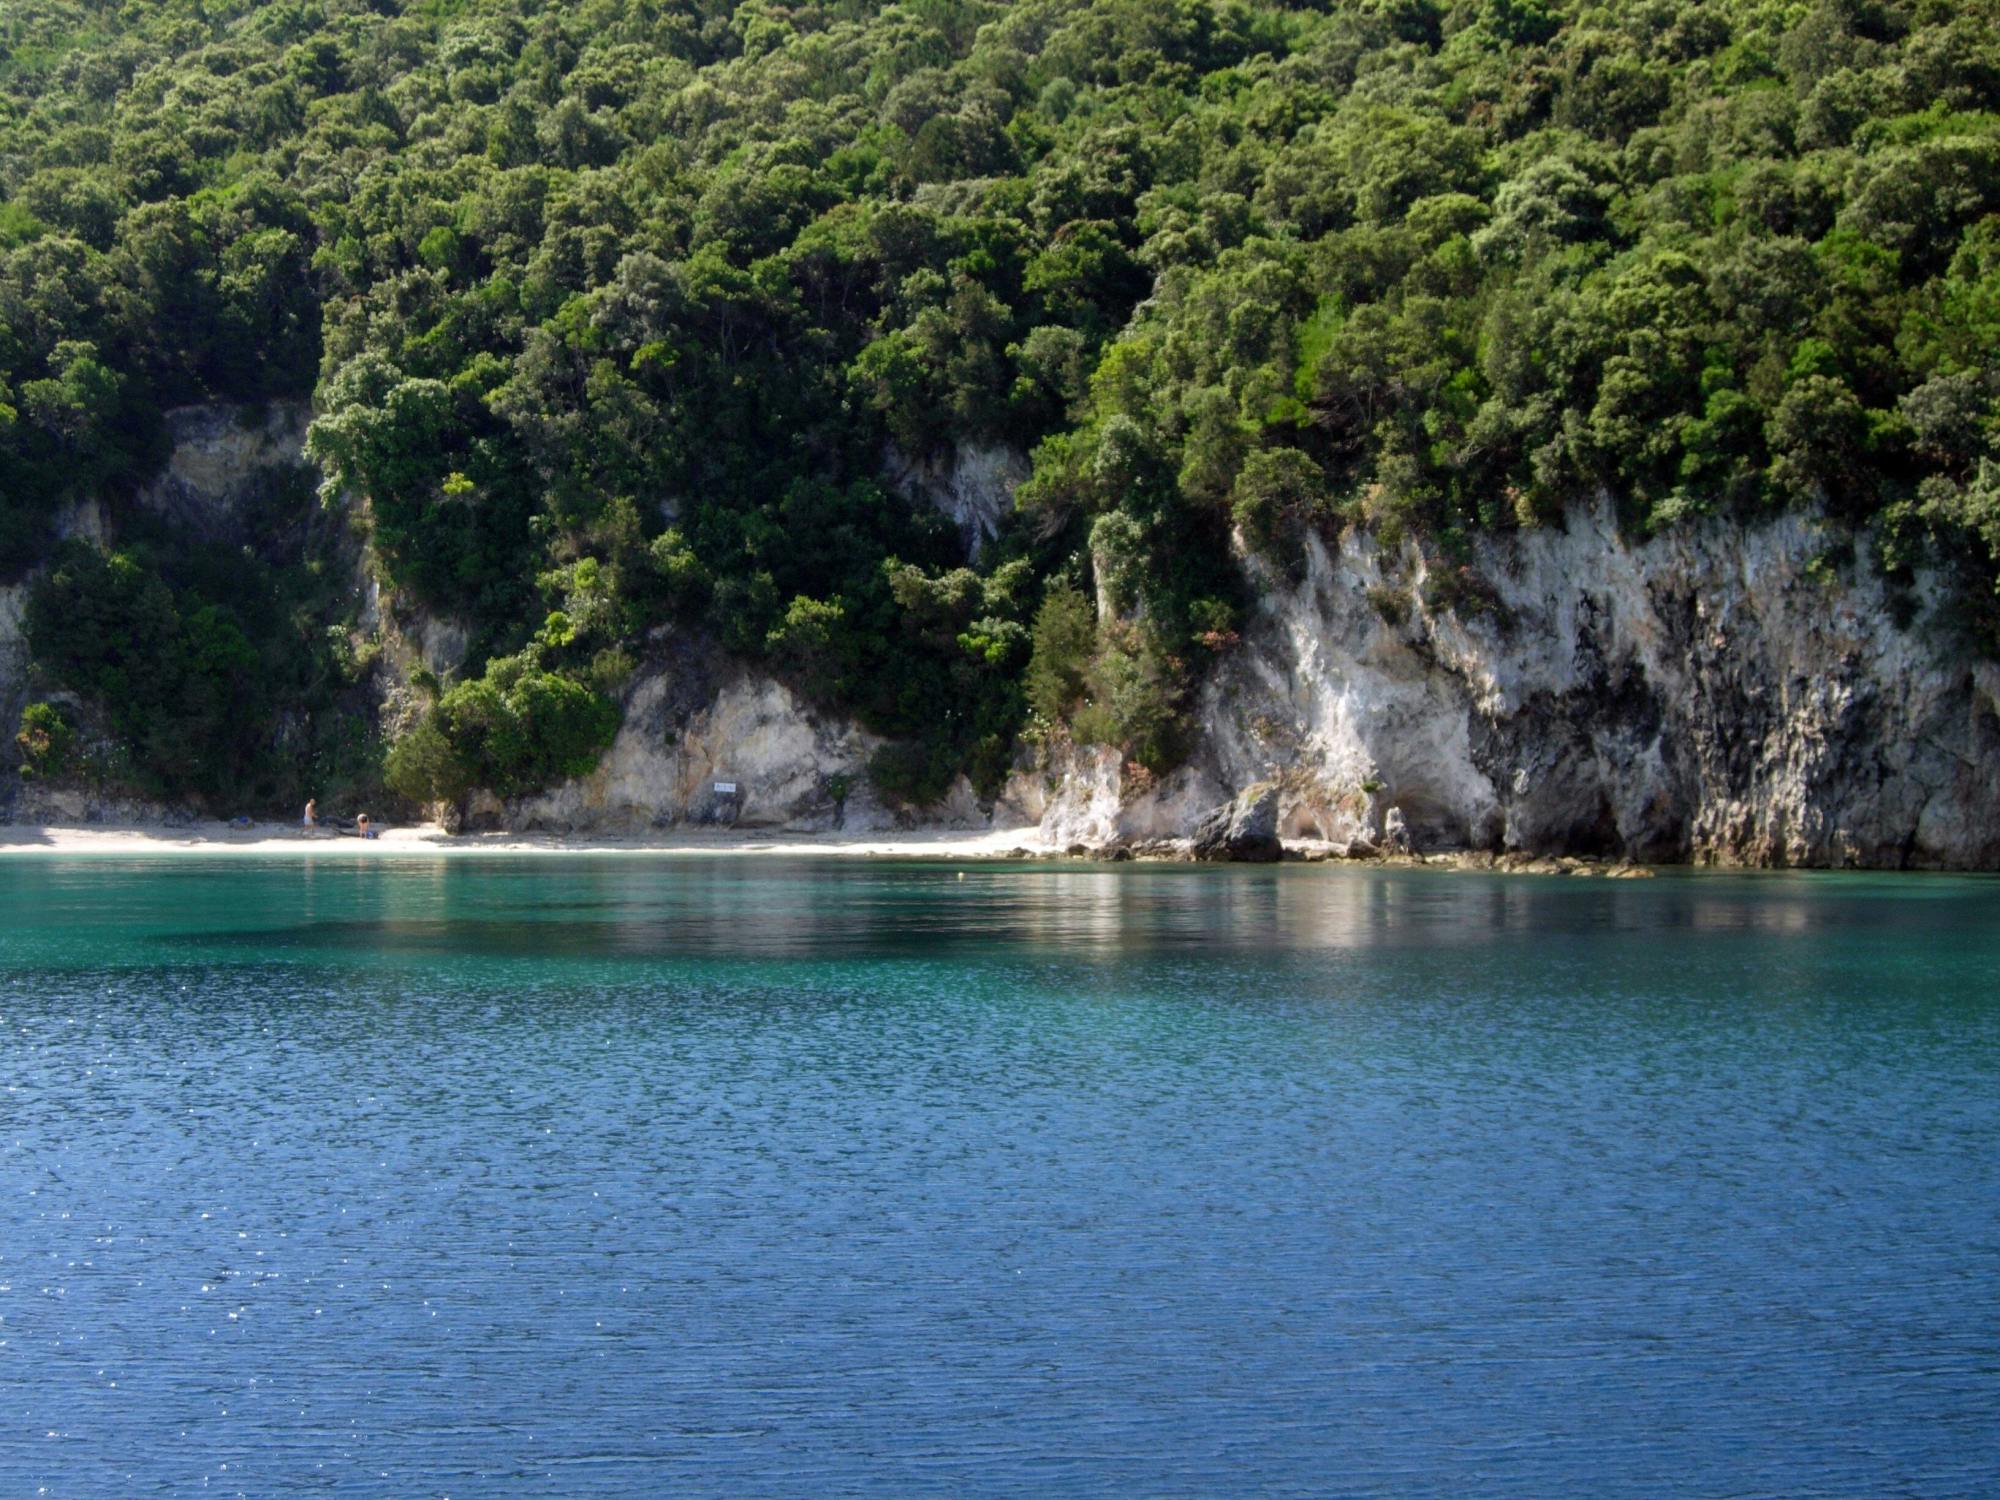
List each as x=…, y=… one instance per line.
x=211, y=837
x=215, y=837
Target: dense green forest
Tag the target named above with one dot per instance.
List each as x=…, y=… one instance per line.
x=611, y=311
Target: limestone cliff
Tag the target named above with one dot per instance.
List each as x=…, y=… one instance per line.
x=710, y=743
x=972, y=486
x=1723, y=693
x=734, y=749
x=1717, y=694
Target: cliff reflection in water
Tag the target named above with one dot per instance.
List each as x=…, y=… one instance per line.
x=613, y=909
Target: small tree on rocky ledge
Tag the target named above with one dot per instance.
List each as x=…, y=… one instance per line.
x=46, y=741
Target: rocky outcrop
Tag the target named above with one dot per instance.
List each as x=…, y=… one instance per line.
x=32, y=803
x=691, y=750
x=973, y=485
x=1718, y=694
x=1244, y=831
x=436, y=643
x=725, y=747
x=226, y=458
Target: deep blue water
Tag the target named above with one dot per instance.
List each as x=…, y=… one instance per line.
x=733, y=1177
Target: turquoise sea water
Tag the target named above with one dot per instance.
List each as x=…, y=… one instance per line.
x=730, y=1177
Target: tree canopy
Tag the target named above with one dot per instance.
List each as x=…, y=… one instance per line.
x=612, y=311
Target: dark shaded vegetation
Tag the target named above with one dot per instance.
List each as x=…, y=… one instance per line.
x=611, y=309
x=212, y=667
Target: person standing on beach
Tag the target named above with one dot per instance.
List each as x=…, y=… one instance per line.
x=312, y=814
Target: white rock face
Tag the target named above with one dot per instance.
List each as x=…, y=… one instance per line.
x=84, y=521
x=32, y=803
x=1702, y=695
x=788, y=767
x=438, y=643
x=1708, y=695
x=974, y=486
x=791, y=768
x=224, y=456
x=1086, y=794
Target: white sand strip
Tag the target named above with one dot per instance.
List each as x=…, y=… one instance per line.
x=428, y=839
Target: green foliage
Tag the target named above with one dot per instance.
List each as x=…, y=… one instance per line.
x=1065, y=639
x=1133, y=696
x=208, y=670
x=46, y=741
x=514, y=730
x=654, y=289
x=1279, y=492
x=811, y=643
x=424, y=766
x=906, y=772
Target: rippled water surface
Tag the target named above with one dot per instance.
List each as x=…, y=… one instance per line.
x=731, y=1177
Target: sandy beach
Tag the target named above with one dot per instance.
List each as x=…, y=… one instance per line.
x=216, y=837
x=427, y=840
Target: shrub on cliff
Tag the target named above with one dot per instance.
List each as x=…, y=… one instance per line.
x=1279, y=494
x=513, y=731
x=1065, y=639
x=46, y=741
